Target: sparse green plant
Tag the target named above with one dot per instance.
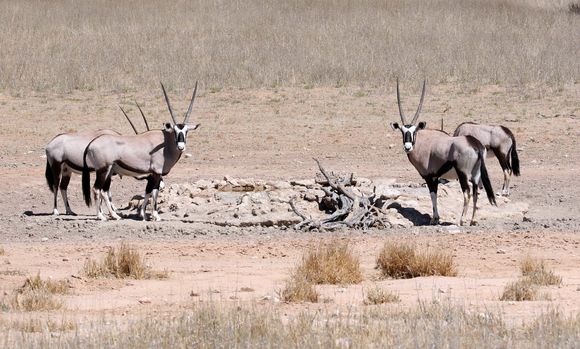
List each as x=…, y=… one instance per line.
x=379, y=295
x=331, y=264
x=403, y=261
x=535, y=270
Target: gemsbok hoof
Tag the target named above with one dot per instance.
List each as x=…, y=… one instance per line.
x=155, y=217
x=473, y=223
x=434, y=221
x=55, y=212
x=102, y=217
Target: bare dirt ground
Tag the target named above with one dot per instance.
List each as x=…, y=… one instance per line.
x=272, y=134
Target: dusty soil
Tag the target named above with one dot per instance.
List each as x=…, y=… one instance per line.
x=272, y=134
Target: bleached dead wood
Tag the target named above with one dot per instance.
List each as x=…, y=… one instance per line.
x=344, y=207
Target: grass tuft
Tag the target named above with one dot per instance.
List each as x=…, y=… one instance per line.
x=380, y=296
x=332, y=264
x=121, y=263
x=535, y=270
x=404, y=261
x=37, y=294
x=2, y=252
x=299, y=289
x=37, y=325
x=520, y=290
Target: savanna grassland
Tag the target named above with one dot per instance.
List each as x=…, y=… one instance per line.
x=282, y=82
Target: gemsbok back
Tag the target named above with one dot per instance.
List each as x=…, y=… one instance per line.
x=434, y=153
x=501, y=141
x=64, y=156
x=150, y=154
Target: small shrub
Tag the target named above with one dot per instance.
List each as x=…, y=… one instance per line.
x=535, y=270
x=521, y=290
x=574, y=8
x=37, y=294
x=2, y=252
x=403, y=261
x=125, y=262
x=332, y=264
x=380, y=296
x=299, y=289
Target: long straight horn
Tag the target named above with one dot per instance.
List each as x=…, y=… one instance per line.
x=127, y=116
x=420, y=104
x=143, y=115
x=168, y=104
x=190, y=105
x=399, y=104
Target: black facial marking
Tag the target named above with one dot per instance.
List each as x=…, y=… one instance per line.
x=180, y=137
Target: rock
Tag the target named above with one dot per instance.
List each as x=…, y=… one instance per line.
x=144, y=300
x=500, y=251
x=308, y=183
x=227, y=198
x=187, y=155
x=280, y=185
x=203, y=184
x=198, y=201
x=387, y=193
x=44, y=239
x=310, y=197
x=453, y=229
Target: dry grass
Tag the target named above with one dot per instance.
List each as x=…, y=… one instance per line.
x=299, y=289
x=378, y=295
x=37, y=294
x=240, y=326
x=535, y=270
x=124, y=262
x=331, y=264
x=403, y=261
x=119, y=45
x=521, y=290
x=2, y=252
x=38, y=325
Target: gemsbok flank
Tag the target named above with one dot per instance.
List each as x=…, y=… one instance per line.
x=501, y=141
x=435, y=153
x=64, y=156
x=150, y=154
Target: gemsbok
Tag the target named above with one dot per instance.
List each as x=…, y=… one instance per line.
x=150, y=154
x=501, y=141
x=435, y=153
x=64, y=156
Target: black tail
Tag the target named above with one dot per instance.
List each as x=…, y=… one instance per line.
x=515, y=159
x=49, y=176
x=86, y=180
x=485, y=179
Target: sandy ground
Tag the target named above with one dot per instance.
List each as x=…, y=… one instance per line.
x=273, y=134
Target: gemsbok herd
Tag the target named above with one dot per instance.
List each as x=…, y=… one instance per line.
x=150, y=155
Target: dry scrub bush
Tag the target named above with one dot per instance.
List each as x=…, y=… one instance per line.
x=404, y=261
x=125, y=262
x=535, y=270
x=378, y=295
x=331, y=264
x=119, y=45
x=299, y=289
x=37, y=294
x=218, y=325
x=521, y=290
x=2, y=252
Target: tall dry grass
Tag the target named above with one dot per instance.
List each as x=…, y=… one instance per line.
x=217, y=325
x=64, y=45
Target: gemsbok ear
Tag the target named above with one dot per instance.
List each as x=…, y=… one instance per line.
x=421, y=125
x=395, y=125
x=194, y=127
x=168, y=126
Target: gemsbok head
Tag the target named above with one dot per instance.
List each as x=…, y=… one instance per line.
x=148, y=155
x=434, y=153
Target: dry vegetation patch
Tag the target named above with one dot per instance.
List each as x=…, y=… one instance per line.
x=37, y=294
x=331, y=264
x=520, y=290
x=2, y=252
x=124, y=262
x=379, y=295
x=38, y=325
x=404, y=261
x=299, y=289
x=535, y=270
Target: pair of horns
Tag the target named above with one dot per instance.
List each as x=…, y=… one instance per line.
x=131, y=123
x=401, y=108
x=171, y=110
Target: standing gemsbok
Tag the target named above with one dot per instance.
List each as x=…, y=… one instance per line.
x=150, y=154
x=64, y=156
x=501, y=141
x=435, y=153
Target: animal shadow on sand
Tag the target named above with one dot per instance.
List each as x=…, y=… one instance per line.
x=416, y=217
